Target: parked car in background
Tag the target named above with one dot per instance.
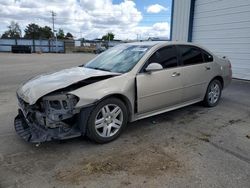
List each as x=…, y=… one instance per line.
x=125, y=83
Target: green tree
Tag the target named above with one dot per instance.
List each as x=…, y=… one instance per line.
x=108, y=37
x=32, y=31
x=46, y=32
x=13, y=31
x=60, y=34
x=69, y=36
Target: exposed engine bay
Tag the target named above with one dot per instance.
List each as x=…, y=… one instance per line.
x=51, y=110
x=58, y=108
x=52, y=117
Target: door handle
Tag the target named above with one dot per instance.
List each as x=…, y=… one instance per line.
x=176, y=74
x=208, y=68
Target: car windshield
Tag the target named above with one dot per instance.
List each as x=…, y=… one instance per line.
x=119, y=59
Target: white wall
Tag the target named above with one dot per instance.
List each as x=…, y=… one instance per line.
x=180, y=18
x=223, y=26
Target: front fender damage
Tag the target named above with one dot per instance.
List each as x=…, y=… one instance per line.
x=55, y=116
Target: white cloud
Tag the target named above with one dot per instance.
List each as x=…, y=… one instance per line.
x=161, y=29
x=83, y=18
x=156, y=8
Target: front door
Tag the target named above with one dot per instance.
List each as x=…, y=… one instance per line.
x=163, y=88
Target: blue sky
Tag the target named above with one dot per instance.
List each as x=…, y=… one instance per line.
x=149, y=19
x=92, y=18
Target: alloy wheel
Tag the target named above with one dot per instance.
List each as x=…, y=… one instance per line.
x=214, y=93
x=108, y=120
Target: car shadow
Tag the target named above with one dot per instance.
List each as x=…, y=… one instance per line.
x=171, y=118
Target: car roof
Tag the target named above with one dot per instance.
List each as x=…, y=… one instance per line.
x=162, y=43
x=147, y=43
x=153, y=43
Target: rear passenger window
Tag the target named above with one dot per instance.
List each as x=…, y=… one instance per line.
x=190, y=55
x=207, y=57
x=165, y=56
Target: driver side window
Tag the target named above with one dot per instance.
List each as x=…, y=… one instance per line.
x=166, y=56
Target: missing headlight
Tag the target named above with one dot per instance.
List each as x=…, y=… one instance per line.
x=55, y=104
x=58, y=107
x=65, y=105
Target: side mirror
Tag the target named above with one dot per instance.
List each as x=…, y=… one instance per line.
x=153, y=67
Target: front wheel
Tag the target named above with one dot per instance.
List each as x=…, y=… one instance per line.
x=213, y=93
x=107, y=120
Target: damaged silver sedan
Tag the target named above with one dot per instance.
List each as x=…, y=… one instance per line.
x=124, y=84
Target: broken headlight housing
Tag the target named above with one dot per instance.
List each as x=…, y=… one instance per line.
x=58, y=107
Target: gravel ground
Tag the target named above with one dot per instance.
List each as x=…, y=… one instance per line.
x=190, y=147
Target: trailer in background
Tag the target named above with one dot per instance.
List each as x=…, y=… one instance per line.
x=31, y=46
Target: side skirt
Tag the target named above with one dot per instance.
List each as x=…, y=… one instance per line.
x=160, y=111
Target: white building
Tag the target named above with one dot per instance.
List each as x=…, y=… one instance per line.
x=223, y=26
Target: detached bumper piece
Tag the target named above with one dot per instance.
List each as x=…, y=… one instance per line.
x=26, y=132
x=36, y=134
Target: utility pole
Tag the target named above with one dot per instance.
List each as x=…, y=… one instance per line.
x=53, y=14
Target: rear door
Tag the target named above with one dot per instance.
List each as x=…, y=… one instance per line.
x=159, y=89
x=196, y=72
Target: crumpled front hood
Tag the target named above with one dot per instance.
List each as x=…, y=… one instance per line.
x=41, y=85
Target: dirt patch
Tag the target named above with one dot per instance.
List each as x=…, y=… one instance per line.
x=126, y=183
x=233, y=121
x=190, y=116
x=147, y=162
x=229, y=123
x=204, y=137
x=28, y=162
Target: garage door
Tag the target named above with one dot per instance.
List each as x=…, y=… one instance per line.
x=223, y=26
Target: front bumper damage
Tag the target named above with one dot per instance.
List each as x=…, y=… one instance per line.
x=35, y=133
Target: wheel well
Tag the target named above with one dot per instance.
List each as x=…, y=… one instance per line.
x=125, y=100
x=220, y=79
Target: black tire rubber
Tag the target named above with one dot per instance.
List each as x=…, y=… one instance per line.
x=206, y=101
x=91, y=132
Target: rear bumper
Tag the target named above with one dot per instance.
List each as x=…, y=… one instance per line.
x=34, y=133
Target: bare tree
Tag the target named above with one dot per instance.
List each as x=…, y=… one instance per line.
x=13, y=31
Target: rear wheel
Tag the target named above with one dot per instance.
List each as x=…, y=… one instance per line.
x=107, y=120
x=213, y=93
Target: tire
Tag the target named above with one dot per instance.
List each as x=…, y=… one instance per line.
x=213, y=93
x=107, y=120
